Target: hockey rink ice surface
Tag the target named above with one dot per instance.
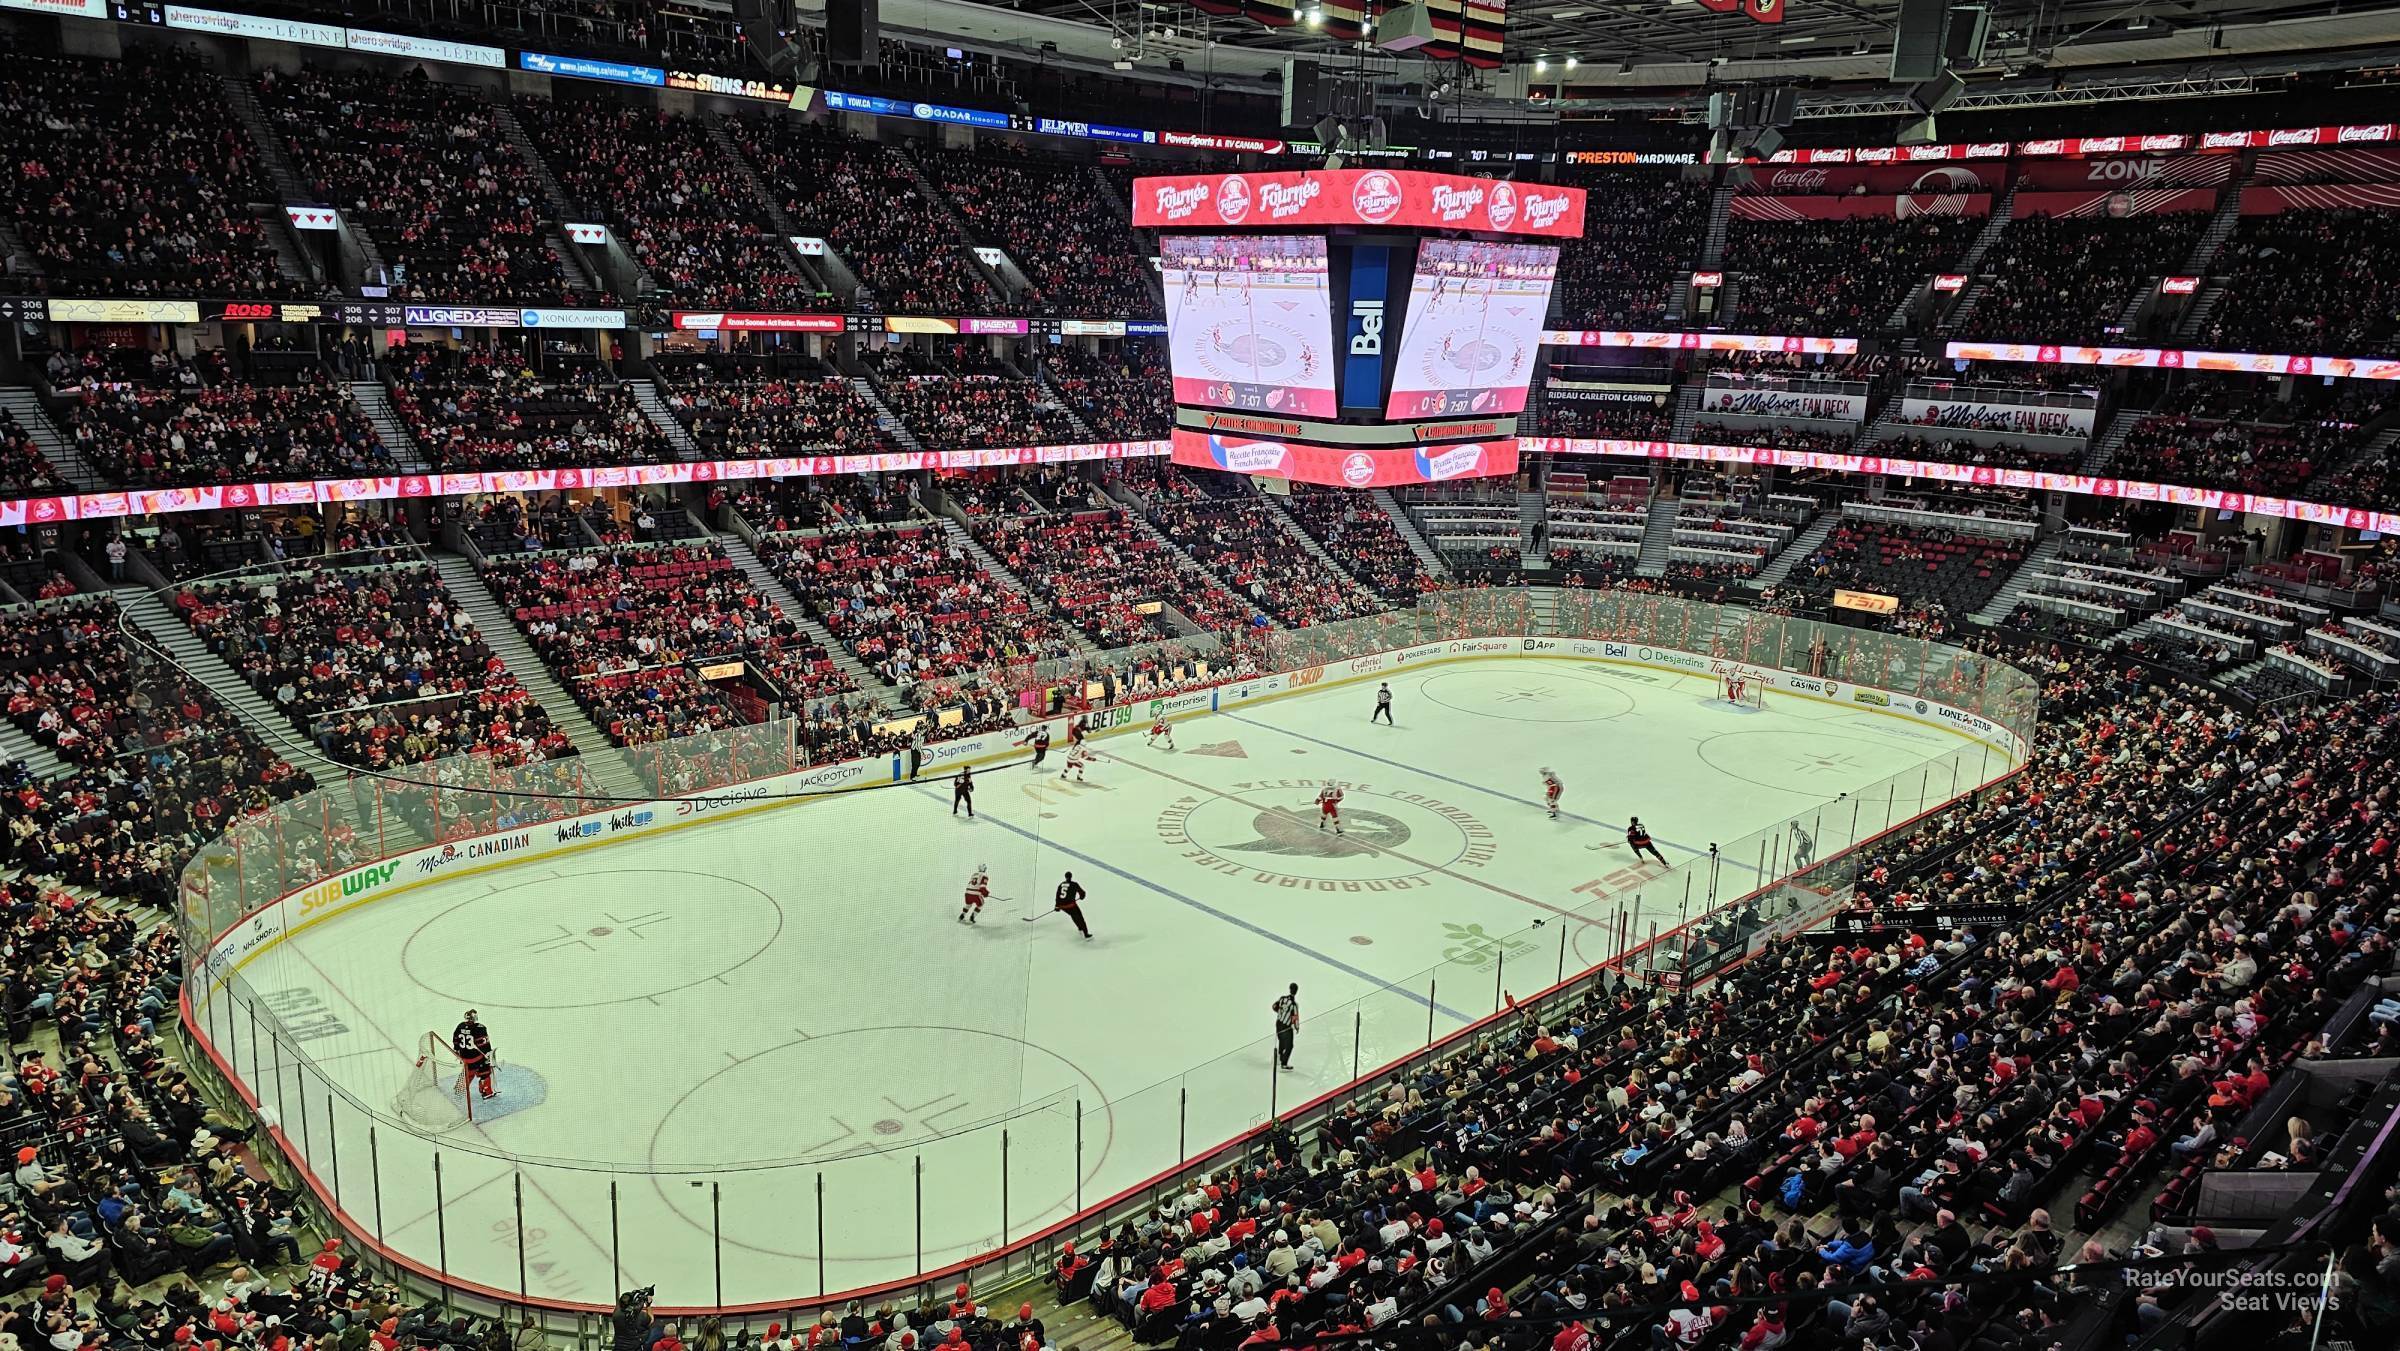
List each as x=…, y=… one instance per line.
x=722, y=1019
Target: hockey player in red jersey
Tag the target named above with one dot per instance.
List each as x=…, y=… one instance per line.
x=1160, y=732
x=979, y=890
x=1329, y=807
x=1551, y=788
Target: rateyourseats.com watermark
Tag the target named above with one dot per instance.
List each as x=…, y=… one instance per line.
x=2251, y=1291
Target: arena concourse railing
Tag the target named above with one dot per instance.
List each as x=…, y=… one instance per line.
x=761, y=1239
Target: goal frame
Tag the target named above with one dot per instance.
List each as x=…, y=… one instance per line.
x=1754, y=686
x=433, y=1097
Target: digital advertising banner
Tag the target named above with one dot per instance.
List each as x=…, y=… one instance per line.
x=1345, y=466
x=1395, y=197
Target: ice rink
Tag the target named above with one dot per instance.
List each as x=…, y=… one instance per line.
x=773, y=1027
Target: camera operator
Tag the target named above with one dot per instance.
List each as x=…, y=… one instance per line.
x=633, y=1321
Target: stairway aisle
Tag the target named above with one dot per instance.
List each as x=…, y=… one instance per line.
x=150, y=612
x=26, y=407
x=1658, y=537
x=645, y=393
x=371, y=399
x=771, y=586
x=601, y=759
x=1427, y=557
x=2036, y=563
x=1802, y=545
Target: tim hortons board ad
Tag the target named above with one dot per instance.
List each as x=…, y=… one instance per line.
x=1346, y=466
x=1390, y=197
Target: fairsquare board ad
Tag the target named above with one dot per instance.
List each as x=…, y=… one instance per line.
x=1474, y=325
x=1345, y=466
x=1250, y=322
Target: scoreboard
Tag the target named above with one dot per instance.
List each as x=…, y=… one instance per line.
x=1362, y=327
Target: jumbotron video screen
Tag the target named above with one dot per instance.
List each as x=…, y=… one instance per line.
x=1473, y=329
x=1250, y=322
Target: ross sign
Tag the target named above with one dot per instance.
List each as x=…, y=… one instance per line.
x=588, y=68
x=1867, y=602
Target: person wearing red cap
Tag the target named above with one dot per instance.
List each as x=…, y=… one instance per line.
x=962, y=1303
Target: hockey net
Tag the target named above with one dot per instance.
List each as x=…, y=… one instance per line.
x=429, y=1099
x=1736, y=685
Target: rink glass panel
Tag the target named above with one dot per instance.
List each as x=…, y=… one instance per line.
x=471, y=1217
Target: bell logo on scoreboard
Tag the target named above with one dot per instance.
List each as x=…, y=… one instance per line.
x=1376, y=196
x=1367, y=318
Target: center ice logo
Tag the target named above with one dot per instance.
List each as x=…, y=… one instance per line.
x=1289, y=834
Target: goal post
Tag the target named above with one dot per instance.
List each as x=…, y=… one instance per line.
x=1737, y=685
x=430, y=1098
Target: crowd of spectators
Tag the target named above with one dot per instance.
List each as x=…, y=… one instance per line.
x=24, y=470
x=1095, y=566
x=1948, y=450
x=862, y=200
x=1642, y=234
x=773, y=505
x=1642, y=419
x=1121, y=391
x=132, y=177
x=1945, y=573
x=2068, y=278
x=1363, y=539
x=1240, y=539
x=425, y=168
x=966, y=398
x=158, y=766
x=489, y=408
x=156, y=419
x=376, y=664
x=2309, y=281
x=1051, y=219
x=736, y=411
x=1836, y=276
x=683, y=210
x=2262, y=457
x=910, y=604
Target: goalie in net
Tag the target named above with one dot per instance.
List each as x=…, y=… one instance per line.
x=1737, y=686
x=448, y=1077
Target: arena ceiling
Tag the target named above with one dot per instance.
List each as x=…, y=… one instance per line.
x=1624, y=46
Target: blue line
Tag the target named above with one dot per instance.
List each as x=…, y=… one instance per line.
x=1212, y=912
x=1477, y=787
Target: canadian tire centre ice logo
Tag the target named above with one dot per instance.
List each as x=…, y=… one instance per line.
x=1376, y=196
x=1233, y=199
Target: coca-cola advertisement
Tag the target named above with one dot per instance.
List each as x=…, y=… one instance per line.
x=1802, y=180
x=1902, y=206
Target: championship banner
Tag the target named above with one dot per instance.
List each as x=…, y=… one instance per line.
x=1469, y=30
